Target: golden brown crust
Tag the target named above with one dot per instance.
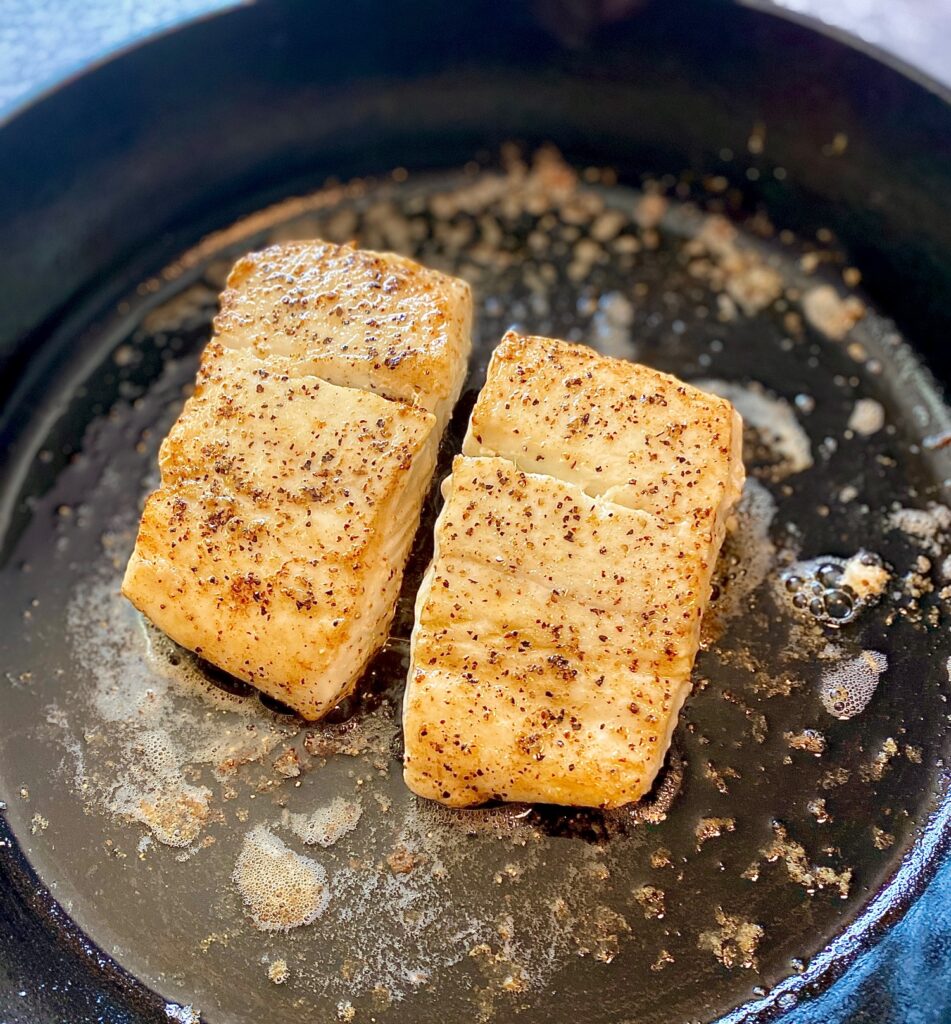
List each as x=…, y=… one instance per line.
x=270, y=540
x=643, y=438
x=553, y=646
x=353, y=317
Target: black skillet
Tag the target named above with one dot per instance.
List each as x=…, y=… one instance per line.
x=112, y=178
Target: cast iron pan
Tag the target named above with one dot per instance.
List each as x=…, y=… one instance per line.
x=804, y=806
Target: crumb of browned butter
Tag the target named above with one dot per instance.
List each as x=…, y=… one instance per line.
x=651, y=900
x=712, y=828
x=278, y=972
x=874, y=771
x=793, y=855
x=810, y=740
x=866, y=580
x=734, y=942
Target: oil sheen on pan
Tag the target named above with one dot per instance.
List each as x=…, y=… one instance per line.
x=284, y=869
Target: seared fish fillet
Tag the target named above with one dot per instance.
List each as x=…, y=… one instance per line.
x=558, y=624
x=638, y=437
x=359, y=319
x=553, y=645
x=275, y=544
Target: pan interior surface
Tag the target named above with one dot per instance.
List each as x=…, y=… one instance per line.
x=235, y=859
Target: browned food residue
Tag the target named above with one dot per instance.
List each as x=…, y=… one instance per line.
x=811, y=877
x=651, y=900
x=712, y=828
x=734, y=942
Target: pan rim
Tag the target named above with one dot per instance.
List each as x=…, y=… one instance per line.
x=87, y=68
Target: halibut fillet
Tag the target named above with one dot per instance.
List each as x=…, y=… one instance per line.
x=557, y=626
x=290, y=490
